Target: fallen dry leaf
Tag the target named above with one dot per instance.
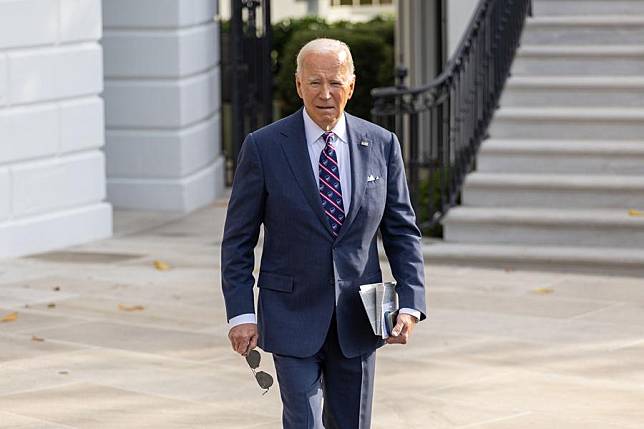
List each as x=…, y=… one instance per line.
x=131, y=307
x=11, y=317
x=57, y=288
x=544, y=290
x=161, y=266
x=634, y=212
x=51, y=305
x=35, y=338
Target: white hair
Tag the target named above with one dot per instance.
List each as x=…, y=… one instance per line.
x=324, y=46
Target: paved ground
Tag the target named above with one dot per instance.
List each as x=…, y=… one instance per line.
x=104, y=339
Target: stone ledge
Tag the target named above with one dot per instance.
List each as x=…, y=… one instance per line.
x=57, y=183
x=162, y=153
x=616, y=261
x=55, y=230
x=157, y=13
x=167, y=53
x=161, y=104
x=63, y=127
x=181, y=195
x=28, y=83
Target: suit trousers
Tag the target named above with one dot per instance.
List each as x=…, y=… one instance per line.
x=326, y=390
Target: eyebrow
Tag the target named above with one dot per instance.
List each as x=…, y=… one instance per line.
x=332, y=80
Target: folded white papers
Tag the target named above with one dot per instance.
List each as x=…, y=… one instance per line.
x=378, y=299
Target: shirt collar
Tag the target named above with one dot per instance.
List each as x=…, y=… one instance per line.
x=314, y=132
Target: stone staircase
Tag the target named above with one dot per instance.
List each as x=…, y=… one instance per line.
x=560, y=182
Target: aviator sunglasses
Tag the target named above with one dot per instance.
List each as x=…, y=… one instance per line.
x=264, y=379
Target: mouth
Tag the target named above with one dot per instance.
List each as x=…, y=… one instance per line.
x=325, y=108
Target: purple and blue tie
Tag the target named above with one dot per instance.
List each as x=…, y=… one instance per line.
x=330, y=189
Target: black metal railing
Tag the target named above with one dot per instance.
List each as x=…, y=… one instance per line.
x=249, y=70
x=442, y=124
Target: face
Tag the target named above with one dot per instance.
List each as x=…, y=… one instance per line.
x=325, y=85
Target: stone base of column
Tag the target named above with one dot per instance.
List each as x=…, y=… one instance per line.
x=179, y=195
x=42, y=233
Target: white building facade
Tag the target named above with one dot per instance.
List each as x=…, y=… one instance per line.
x=333, y=10
x=52, y=169
x=86, y=124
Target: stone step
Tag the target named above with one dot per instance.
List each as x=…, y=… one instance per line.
x=548, y=227
x=587, y=7
x=584, y=30
x=605, y=260
x=561, y=157
x=574, y=91
x=566, y=60
x=553, y=190
x=568, y=123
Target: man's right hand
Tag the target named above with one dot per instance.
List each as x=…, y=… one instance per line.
x=243, y=338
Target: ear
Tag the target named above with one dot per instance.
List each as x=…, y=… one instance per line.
x=298, y=85
x=352, y=85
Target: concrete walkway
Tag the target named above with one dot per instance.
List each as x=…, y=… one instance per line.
x=103, y=338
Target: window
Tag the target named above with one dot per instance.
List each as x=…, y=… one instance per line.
x=360, y=2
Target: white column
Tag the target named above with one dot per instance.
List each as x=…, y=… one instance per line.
x=417, y=46
x=162, y=104
x=52, y=173
x=459, y=14
x=417, y=39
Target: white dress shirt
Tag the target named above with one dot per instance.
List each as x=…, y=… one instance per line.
x=315, y=143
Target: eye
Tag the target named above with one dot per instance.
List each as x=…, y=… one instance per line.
x=336, y=84
x=314, y=83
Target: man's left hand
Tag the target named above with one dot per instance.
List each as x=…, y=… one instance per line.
x=402, y=331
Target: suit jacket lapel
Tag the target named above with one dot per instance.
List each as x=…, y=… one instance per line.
x=294, y=146
x=359, y=153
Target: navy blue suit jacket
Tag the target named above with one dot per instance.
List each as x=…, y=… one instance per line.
x=305, y=273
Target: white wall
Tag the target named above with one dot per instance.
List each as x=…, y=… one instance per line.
x=52, y=173
x=162, y=103
x=459, y=13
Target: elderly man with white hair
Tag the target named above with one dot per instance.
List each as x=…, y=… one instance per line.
x=323, y=183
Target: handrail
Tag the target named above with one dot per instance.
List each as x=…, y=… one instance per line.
x=451, y=64
x=442, y=123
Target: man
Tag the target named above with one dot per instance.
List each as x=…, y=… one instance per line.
x=322, y=183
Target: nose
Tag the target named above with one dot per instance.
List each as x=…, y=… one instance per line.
x=325, y=92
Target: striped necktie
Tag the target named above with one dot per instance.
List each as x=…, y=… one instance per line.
x=330, y=189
